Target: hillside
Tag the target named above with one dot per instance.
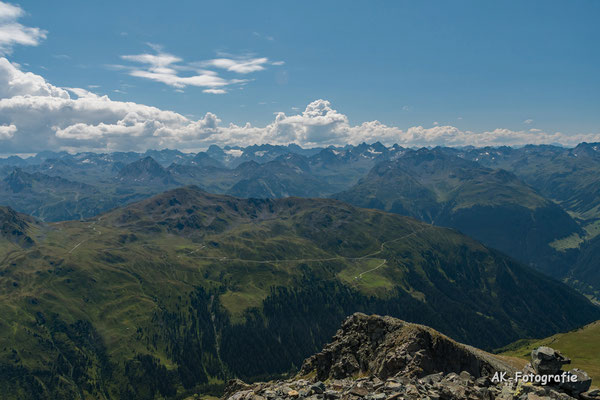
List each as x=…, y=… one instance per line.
x=582, y=346
x=571, y=177
x=50, y=197
x=169, y=290
x=493, y=206
x=15, y=228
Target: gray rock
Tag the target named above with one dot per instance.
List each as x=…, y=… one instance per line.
x=465, y=376
x=318, y=387
x=582, y=384
x=593, y=394
x=547, y=361
x=359, y=391
x=392, y=386
x=385, y=346
x=484, y=381
x=432, y=378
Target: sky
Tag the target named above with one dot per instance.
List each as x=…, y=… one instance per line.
x=132, y=75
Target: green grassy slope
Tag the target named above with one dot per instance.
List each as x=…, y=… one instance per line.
x=181, y=291
x=582, y=346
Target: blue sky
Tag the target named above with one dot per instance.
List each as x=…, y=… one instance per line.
x=476, y=66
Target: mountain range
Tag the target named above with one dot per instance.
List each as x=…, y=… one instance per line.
x=191, y=288
x=493, y=206
x=538, y=204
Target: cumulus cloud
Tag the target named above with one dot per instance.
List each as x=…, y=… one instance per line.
x=13, y=33
x=7, y=131
x=36, y=115
x=14, y=82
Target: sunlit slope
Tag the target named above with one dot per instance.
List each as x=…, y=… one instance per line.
x=582, y=346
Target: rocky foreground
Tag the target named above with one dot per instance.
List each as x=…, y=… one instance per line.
x=383, y=358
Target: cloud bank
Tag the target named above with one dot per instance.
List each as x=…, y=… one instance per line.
x=36, y=115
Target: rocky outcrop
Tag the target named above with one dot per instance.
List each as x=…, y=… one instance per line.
x=383, y=358
x=386, y=346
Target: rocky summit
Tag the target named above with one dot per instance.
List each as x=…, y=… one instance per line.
x=384, y=358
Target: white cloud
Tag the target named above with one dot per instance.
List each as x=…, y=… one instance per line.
x=163, y=67
x=7, y=131
x=528, y=122
x=241, y=66
x=10, y=11
x=215, y=91
x=173, y=71
x=14, y=82
x=13, y=33
x=35, y=116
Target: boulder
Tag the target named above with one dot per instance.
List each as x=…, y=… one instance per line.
x=547, y=361
x=582, y=384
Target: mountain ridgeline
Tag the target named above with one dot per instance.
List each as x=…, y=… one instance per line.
x=538, y=204
x=177, y=293
x=493, y=206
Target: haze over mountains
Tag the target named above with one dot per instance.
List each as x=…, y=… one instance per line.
x=538, y=204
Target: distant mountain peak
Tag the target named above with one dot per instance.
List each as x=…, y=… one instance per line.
x=205, y=160
x=18, y=180
x=145, y=170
